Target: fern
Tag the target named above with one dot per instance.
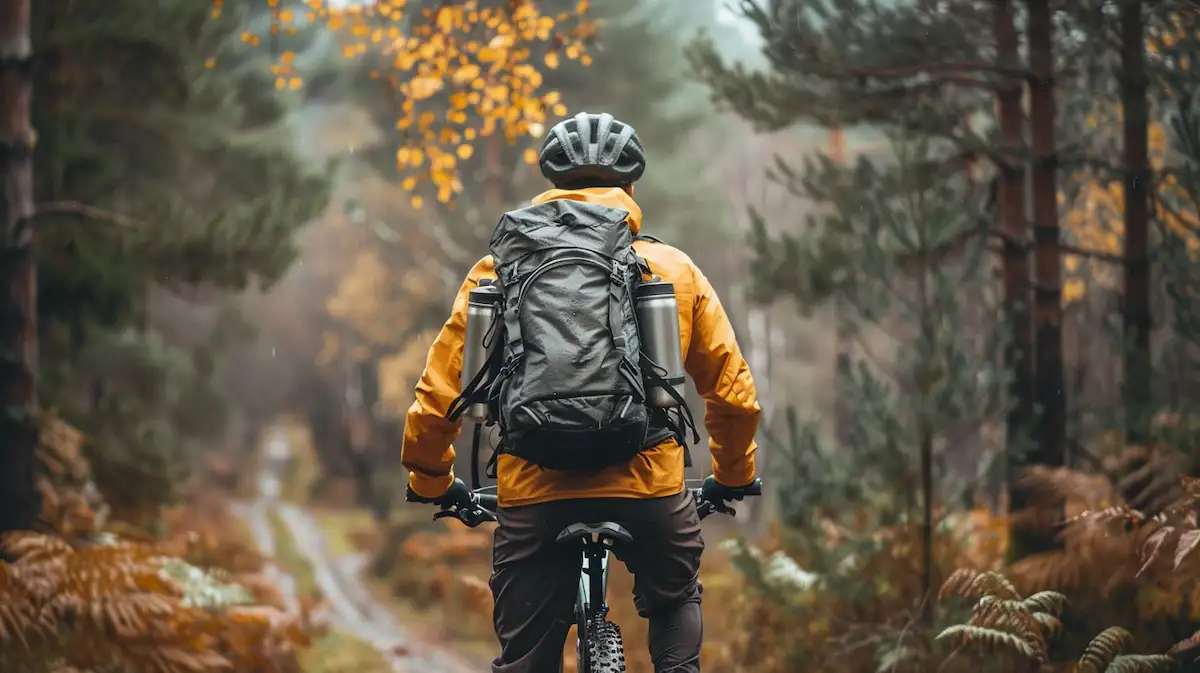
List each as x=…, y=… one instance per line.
x=1051, y=625
x=1050, y=602
x=125, y=606
x=1104, y=649
x=989, y=639
x=1141, y=663
x=968, y=583
x=1003, y=621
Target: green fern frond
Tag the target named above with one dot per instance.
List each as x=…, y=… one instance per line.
x=1049, y=602
x=1141, y=663
x=1104, y=650
x=990, y=640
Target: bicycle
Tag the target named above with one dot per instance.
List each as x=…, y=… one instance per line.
x=598, y=648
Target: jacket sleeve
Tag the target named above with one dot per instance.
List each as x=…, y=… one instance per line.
x=722, y=377
x=427, y=453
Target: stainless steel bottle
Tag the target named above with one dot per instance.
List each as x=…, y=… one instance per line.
x=483, y=304
x=658, y=326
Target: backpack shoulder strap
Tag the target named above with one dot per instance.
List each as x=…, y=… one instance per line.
x=648, y=237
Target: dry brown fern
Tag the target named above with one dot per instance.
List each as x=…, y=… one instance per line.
x=71, y=504
x=115, y=606
x=1049, y=486
x=1105, y=655
x=1002, y=620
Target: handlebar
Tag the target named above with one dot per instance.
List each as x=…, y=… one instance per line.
x=484, y=504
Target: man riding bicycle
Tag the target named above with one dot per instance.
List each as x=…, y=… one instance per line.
x=592, y=161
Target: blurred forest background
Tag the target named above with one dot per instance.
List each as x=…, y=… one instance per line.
x=958, y=241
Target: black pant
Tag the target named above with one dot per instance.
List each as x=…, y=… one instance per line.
x=535, y=579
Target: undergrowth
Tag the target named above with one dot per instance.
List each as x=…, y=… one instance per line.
x=88, y=594
x=1003, y=622
x=844, y=594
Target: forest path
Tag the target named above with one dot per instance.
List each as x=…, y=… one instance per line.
x=352, y=607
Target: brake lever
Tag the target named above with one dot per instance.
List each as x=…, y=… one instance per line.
x=473, y=518
x=469, y=517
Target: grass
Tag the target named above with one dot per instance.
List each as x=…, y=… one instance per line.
x=340, y=527
x=341, y=652
x=291, y=560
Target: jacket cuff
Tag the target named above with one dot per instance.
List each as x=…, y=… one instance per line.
x=735, y=477
x=430, y=487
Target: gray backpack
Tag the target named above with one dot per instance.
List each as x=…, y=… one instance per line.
x=566, y=386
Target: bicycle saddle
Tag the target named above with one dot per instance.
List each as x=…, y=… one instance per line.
x=603, y=529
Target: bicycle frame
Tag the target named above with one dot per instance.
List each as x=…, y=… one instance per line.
x=593, y=579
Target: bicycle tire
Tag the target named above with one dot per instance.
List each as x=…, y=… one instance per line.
x=606, y=651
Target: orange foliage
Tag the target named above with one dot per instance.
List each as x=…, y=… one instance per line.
x=83, y=599
x=477, y=56
x=101, y=607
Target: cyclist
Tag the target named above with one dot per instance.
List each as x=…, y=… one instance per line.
x=534, y=580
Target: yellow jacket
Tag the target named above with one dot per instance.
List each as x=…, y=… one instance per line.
x=712, y=359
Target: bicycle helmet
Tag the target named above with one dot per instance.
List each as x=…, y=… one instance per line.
x=592, y=150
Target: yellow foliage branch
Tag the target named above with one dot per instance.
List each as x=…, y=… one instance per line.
x=481, y=58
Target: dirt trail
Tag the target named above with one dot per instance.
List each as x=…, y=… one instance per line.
x=352, y=607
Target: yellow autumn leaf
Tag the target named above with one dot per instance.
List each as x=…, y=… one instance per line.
x=465, y=74
x=421, y=88
x=530, y=155
x=417, y=202
x=1073, y=290
x=465, y=151
x=551, y=60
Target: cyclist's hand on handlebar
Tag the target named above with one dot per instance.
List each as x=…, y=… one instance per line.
x=458, y=495
x=458, y=501
x=718, y=494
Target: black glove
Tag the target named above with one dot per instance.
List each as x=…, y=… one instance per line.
x=715, y=492
x=458, y=494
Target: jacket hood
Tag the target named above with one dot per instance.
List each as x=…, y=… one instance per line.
x=612, y=197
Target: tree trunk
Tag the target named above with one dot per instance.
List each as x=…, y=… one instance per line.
x=19, y=501
x=1010, y=197
x=1047, y=314
x=1136, y=301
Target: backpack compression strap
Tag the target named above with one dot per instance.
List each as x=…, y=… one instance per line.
x=618, y=294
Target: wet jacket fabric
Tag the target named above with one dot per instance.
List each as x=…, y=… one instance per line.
x=712, y=359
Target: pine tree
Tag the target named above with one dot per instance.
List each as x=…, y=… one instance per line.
x=881, y=252
x=934, y=73
x=165, y=163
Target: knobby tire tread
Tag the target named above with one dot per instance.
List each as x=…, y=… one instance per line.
x=606, y=651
